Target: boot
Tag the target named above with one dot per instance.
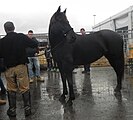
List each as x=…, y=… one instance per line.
x=12, y=104
x=27, y=103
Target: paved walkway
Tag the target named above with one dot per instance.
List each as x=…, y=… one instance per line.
x=95, y=99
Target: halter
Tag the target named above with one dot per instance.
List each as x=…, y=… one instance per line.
x=65, y=34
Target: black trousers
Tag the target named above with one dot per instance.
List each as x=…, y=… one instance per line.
x=87, y=67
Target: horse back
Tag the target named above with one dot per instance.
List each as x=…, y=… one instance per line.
x=91, y=47
x=113, y=42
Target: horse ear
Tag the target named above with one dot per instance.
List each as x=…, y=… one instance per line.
x=59, y=8
x=65, y=11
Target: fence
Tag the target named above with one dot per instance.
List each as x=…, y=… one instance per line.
x=126, y=35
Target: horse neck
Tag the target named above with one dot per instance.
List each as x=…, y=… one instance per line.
x=55, y=41
x=56, y=37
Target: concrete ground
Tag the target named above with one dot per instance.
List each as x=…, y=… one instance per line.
x=95, y=99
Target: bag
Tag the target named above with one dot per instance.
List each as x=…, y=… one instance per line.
x=2, y=65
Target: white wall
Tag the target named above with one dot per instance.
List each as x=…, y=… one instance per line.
x=120, y=20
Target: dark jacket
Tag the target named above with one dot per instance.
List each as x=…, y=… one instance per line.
x=2, y=66
x=48, y=53
x=13, y=48
x=31, y=51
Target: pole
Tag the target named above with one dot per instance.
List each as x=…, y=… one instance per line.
x=94, y=18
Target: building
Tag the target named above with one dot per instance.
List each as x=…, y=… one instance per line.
x=121, y=23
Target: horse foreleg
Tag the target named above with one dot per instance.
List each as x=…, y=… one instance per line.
x=119, y=84
x=71, y=91
x=65, y=92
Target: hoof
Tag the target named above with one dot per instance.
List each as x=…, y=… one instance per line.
x=117, y=90
x=118, y=96
x=69, y=103
x=72, y=98
x=62, y=99
x=66, y=93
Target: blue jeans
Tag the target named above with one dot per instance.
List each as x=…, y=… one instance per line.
x=3, y=89
x=33, y=61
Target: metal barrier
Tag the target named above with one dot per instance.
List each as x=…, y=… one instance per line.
x=127, y=36
x=128, y=47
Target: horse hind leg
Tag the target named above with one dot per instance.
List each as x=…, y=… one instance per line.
x=120, y=74
x=118, y=66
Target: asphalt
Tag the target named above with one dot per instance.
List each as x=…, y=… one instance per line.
x=95, y=98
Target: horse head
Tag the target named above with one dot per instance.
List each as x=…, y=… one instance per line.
x=60, y=29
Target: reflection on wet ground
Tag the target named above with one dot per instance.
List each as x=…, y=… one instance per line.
x=95, y=98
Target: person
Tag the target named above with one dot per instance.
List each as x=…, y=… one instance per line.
x=33, y=60
x=55, y=67
x=48, y=58
x=3, y=89
x=13, y=51
x=2, y=69
x=2, y=92
x=86, y=66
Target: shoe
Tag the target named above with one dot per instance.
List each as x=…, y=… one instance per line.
x=31, y=80
x=2, y=102
x=41, y=79
x=27, y=111
x=48, y=70
x=11, y=112
x=74, y=72
x=83, y=72
x=57, y=70
x=52, y=70
x=88, y=72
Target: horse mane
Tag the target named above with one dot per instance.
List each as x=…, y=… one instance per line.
x=52, y=20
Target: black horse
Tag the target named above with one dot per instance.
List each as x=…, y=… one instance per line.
x=70, y=49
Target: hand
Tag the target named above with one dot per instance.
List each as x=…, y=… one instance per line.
x=36, y=54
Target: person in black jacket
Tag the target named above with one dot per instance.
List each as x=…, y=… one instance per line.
x=13, y=51
x=48, y=58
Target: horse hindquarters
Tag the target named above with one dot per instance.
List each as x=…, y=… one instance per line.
x=118, y=65
x=114, y=54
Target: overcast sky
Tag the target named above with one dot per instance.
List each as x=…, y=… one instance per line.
x=36, y=14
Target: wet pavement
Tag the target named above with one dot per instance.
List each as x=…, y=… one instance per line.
x=95, y=98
